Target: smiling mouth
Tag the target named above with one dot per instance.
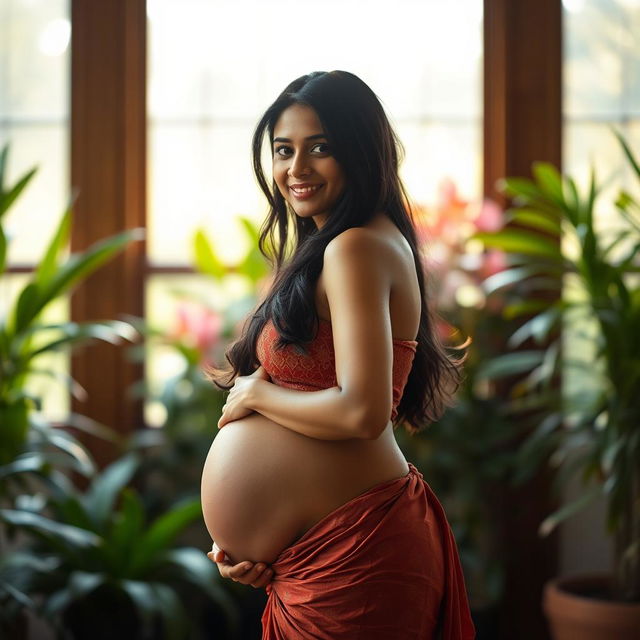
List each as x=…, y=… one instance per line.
x=305, y=190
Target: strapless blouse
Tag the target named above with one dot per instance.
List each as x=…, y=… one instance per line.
x=315, y=370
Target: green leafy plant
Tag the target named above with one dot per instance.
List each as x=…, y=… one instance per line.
x=594, y=428
x=89, y=554
x=24, y=338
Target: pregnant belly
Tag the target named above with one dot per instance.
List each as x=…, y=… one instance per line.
x=263, y=485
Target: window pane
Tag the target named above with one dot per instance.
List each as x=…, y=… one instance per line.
x=208, y=85
x=34, y=120
x=187, y=309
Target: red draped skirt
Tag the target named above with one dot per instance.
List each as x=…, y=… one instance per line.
x=383, y=566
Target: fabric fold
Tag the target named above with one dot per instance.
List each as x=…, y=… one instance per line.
x=383, y=566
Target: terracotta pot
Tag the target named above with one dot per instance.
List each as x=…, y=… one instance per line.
x=577, y=608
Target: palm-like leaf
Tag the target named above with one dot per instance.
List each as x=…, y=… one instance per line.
x=605, y=290
x=88, y=543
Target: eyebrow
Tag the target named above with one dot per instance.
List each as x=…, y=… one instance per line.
x=313, y=137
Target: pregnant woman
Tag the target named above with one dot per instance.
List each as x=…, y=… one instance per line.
x=305, y=474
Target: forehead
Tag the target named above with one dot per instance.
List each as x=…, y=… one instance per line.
x=298, y=120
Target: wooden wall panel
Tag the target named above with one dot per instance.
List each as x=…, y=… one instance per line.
x=523, y=123
x=108, y=165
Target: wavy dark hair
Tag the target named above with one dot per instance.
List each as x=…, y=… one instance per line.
x=369, y=152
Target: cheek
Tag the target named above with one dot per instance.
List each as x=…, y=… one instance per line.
x=280, y=180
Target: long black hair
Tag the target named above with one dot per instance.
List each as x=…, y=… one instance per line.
x=369, y=152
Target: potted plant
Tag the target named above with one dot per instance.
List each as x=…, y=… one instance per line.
x=593, y=428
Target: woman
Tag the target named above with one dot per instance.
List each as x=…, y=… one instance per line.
x=314, y=484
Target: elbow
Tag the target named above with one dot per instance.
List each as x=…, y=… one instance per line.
x=372, y=423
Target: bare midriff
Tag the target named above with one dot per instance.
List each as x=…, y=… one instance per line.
x=263, y=485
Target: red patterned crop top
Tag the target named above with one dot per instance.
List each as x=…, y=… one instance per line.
x=317, y=369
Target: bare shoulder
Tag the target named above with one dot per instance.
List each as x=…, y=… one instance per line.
x=358, y=246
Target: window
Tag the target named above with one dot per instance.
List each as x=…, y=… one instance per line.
x=209, y=82
x=34, y=120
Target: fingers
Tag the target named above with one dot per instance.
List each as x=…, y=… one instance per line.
x=258, y=575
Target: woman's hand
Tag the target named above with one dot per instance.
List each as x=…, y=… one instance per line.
x=236, y=405
x=258, y=575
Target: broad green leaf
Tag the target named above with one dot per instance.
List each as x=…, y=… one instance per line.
x=49, y=262
x=520, y=241
x=129, y=522
x=574, y=203
x=509, y=364
x=80, y=584
x=627, y=152
x=112, y=331
x=77, y=390
x=101, y=495
x=95, y=428
x=27, y=307
x=162, y=532
x=205, y=258
x=3, y=251
x=195, y=567
x=71, y=511
x=7, y=198
x=19, y=596
x=550, y=523
x=523, y=307
x=593, y=193
x=75, y=449
x=62, y=532
x=32, y=461
x=251, y=229
x=522, y=188
x=3, y=165
x=549, y=180
x=145, y=600
x=625, y=204
x=254, y=265
x=77, y=267
x=507, y=277
x=171, y=610
x=537, y=328
x=535, y=219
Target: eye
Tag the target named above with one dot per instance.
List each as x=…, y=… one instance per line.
x=326, y=149
x=280, y=148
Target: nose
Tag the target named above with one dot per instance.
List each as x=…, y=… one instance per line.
x=299, y=165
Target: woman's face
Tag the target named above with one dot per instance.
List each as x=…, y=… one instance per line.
x=306, y=173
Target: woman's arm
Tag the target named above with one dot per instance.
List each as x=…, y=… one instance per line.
x=327, y=414
x=358, y=284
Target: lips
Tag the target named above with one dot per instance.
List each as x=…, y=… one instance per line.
x=304, y=187
x=304, y=191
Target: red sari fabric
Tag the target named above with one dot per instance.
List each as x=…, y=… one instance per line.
x=316, y=369
x=383, y=566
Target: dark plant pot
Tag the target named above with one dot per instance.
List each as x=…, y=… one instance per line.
x=579, y=607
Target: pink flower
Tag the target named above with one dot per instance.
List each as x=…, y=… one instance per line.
x=490, y=217
x=196, y=326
